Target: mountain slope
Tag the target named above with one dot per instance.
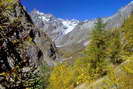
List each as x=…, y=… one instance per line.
x=53, y=26
x=71, y=36
x=121, y=78
x=21, y=49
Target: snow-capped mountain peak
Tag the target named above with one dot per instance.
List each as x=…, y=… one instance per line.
x=55, y=26
x=42, y=16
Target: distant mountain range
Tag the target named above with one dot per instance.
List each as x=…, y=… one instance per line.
x=73, y=35
x=55, y=27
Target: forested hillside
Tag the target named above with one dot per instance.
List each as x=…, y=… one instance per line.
x=108, y=49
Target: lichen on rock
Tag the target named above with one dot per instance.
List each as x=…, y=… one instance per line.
x=20, y=53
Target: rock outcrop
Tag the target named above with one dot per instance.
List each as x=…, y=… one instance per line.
x=22, y=47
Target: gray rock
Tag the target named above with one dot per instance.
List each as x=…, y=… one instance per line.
x=22, y=48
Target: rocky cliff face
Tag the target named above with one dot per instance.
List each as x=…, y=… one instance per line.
x=22, y=47
x=78, y=36
x=56, y=28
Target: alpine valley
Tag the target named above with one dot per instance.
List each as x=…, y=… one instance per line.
x=41, y=51
x=72, y=36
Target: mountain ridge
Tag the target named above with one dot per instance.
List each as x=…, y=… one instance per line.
x=77, y=32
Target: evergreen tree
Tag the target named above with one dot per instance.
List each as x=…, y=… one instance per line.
x=96, y=50
x=127, y=36
x=61, y=77
x=114, y=46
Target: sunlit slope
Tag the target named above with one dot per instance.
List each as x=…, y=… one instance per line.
x=120, y=78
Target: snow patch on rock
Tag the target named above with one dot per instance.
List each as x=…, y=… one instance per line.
x=69, y=25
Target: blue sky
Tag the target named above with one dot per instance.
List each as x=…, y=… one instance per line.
x=76, y=9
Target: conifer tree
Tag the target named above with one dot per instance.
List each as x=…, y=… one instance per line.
x=114, y=47
x=127, y=36
x=96, y=50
